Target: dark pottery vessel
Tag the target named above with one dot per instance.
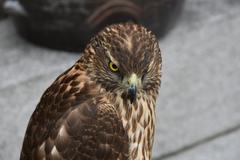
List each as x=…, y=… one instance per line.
x=2, y=12
x=69, y=24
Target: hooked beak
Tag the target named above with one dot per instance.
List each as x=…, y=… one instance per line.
x=132, y=90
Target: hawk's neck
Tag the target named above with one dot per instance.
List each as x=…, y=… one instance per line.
x=139, y=122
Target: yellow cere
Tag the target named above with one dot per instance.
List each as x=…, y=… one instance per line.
x=113, y=67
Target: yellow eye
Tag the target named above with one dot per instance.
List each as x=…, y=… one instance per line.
x=113, y=67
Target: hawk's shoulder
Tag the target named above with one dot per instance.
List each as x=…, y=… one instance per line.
x=73, y=120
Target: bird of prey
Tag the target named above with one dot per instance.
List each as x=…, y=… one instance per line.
x=103, y=107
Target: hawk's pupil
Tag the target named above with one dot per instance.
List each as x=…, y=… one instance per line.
x=114, y=66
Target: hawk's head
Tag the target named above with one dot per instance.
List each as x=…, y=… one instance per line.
x=125, y=59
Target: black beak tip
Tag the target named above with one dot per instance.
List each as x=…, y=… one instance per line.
x=132, y=93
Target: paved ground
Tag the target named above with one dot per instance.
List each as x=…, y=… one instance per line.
x=199, y=104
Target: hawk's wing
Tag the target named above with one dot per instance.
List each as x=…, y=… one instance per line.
x=89, y=131
x=69, y=123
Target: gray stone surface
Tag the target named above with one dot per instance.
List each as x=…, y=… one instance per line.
x=26, y=72
x=223, y=148
x=21, y=60
x=199, y=97
x=200, y=89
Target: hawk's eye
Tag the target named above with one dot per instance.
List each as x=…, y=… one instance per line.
x=113, y=67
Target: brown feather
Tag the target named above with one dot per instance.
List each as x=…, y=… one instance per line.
x=86, y=112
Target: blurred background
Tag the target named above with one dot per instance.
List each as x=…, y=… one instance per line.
x=198, y=110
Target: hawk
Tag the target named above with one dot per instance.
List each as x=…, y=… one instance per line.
x=103, y=107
